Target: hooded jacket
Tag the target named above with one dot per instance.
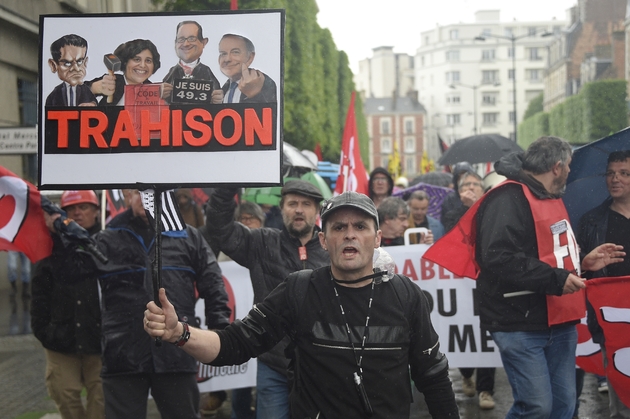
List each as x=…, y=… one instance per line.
x=507, y=254
x=269, y=254
x=390, y=182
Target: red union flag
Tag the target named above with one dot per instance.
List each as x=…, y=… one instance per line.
x=22, y=225
x=352, y=174
x=609, y=298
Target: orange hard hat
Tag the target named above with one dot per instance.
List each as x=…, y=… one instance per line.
x=78, y=197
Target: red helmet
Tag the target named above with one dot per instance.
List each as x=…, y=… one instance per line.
x=78, y=197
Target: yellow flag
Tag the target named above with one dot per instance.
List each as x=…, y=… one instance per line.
x=427, y=164
x=393, y=166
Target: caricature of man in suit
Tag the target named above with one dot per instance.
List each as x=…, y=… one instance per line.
x=69, y=61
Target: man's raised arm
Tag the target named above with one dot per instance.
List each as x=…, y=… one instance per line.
x=203, y=345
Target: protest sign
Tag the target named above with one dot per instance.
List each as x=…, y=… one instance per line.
x=142, y=105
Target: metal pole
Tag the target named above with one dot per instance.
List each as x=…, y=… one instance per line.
x=513, y=39
x=475, y=107
x=157, y=261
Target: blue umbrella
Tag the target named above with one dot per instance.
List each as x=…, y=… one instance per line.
x=586, y=185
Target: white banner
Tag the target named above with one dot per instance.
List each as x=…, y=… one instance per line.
x=452, y=308
x=241, y=299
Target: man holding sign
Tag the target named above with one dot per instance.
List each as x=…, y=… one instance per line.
x=358, y=334
x=527, y=253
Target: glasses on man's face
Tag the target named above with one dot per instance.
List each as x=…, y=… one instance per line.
x=182, y=39
x=622, y=174
x=246, y=218
x=69, y=64
x=470, y=185
x=380, y=179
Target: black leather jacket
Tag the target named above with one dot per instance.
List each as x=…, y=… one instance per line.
x=590, y=234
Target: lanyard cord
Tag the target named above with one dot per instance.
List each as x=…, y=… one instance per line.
x=358, y=359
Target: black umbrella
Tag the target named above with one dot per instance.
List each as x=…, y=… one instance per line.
x=480, y=148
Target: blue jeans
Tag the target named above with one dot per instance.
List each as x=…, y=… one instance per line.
x=15, y=258
x=540, y=367
x=272, y=394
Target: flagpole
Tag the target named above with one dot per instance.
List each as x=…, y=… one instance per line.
x=103, y=207
x=157, y=261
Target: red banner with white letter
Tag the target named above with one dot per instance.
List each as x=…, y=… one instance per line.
x=352, y=173
x=609, y=298
x=22, y=225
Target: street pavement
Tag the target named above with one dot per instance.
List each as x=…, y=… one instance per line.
x=22, y=388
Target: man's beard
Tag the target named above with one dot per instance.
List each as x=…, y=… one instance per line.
x=299, y=233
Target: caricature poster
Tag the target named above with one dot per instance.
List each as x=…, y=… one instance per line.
x=161, y=99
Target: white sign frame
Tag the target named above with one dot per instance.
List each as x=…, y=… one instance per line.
x=104, y=32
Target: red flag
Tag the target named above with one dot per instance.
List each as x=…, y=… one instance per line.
x=588, y=354
x=22, y=225
x=234, y=5
x=609, y=298
x=352, y=173
x=318, y=152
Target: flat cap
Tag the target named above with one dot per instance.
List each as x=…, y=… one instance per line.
x=350, y=199
x=304, y=188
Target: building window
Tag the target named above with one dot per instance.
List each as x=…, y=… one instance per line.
x=422, y=60
x=511, y=116
x=487, y=55
x=452, y=77
x=510, y=52
x=489, y=99
x=534, y=74
x=511, y=74
x=508, y=32
x=27, y=102
x=486, y=32
x=531, y=31
x=386, y=145
x=490, y=118
x=534, y=55
x=385, y=126
x=453, y=119
x=27, y=98
x=410, y=164
x=453, y=34
x=409, y=126
x=453, y=99
x=452, y=55
x=426, y=40
x=410, y=144
x=489, y=76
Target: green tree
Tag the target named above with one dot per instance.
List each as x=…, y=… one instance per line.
x=535, y=106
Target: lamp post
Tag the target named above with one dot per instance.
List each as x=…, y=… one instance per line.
x=474, y=89
x=513, y=40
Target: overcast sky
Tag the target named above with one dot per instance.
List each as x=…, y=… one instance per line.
x=358, y=26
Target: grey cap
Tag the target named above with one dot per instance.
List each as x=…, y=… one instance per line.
x=304, y=188
x=349, y=199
